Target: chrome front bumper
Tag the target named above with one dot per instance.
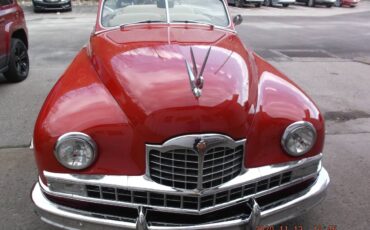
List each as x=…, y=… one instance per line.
x=292, y=206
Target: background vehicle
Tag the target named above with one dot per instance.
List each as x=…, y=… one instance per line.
x=14, y=63
x=41, y=5
x=350, y=3
x=284, y=3
x=312, y=3
x=240, y=3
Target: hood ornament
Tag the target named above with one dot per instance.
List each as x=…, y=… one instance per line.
x=196, y=79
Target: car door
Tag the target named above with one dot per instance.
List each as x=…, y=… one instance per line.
x=6, y=11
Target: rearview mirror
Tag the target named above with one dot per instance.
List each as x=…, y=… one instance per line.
x=238, y=19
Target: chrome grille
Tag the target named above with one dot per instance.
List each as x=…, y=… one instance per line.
x=221, y=165
x=187, y=169
x=191, y=202
x=177, y=168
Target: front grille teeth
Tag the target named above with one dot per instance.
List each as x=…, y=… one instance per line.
x=190, y=202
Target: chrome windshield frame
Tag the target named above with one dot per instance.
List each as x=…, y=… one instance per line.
x=227, y=28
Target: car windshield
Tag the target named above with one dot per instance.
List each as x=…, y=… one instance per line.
x=125, y=12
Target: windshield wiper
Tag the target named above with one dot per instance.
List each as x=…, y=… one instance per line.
x=195, y=22
x=140, y=22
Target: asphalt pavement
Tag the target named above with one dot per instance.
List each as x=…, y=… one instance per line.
x=326, y=51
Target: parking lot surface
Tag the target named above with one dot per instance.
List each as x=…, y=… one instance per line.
x=326, y=51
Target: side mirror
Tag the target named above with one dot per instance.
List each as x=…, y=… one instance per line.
x=238, y=19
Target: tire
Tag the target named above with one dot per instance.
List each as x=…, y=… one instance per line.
x=258, y=5
x=36, y=10
x=329, y=6
x=18, y=66
x=285, y=5
x=311, y=3
x=238, y=3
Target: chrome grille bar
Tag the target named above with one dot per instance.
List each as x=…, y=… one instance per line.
x=185, y=201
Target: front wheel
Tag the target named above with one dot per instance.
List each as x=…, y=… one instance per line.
x=258, y=5
x=329, y=6
x=18, y=66
x=285, y=4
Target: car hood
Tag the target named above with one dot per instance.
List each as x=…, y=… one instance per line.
x=145, y=71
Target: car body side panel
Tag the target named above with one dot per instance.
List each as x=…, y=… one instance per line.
x=280, y=102
x=7, y=20
x=13, y=20
x=80, y=102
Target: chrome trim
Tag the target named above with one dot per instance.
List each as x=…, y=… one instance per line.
x=76, y=136
x=255, y=218
x=196, y=79
x=140, y=183
x=294, y=127
x=31, y=144
x=106, y=29
x=168, y=12
x=141, y=223
x=188, y=142
x=293, y=206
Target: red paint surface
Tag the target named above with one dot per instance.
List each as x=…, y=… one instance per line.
x=350, y=2
x=130, y=88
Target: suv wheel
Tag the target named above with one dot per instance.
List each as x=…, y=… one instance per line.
x=19, y=64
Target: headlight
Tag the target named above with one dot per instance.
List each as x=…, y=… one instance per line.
x=299, y=138
x=75, y=150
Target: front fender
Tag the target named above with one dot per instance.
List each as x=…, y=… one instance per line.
x=279, y=103
x=79, y=102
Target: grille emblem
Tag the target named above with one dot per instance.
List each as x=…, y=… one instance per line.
x=200, y=146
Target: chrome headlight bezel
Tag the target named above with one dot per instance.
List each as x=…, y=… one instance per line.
x=77, y=136
x=292, y=129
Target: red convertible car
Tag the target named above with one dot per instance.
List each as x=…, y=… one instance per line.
x=164, y=120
